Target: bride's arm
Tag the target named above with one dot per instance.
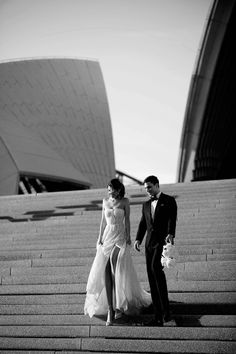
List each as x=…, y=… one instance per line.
x=102, y=224
x=127, y=221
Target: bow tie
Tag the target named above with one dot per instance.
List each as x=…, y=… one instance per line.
x=154, y=197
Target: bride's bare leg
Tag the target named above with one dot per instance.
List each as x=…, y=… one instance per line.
x=109, y=287
x=114, y=258
x=110, y=282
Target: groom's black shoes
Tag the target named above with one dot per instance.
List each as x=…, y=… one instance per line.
x=155, y=323
x=159, y=322
x=167, y=317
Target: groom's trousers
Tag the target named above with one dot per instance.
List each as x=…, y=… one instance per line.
x=157, y=282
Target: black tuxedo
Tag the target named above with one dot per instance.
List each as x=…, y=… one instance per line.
x=163, y=224
x=156, y=230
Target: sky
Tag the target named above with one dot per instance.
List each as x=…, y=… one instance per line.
x=147, y=50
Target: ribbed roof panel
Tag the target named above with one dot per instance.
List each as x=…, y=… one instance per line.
x=62, y=104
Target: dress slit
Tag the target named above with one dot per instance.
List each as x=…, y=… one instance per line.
x=129, y=297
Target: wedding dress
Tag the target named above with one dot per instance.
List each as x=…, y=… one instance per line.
x=128, y=295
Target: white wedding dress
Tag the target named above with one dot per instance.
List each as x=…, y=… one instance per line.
x=128, y=296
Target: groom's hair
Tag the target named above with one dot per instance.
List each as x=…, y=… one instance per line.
x=151, y=179
x=116, y=184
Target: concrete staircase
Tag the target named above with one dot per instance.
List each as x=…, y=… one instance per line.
x=47, y=245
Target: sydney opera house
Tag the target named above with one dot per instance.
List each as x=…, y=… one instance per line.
x=208, y=142
x=55, y=126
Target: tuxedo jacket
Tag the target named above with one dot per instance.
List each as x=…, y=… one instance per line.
x=163, y=223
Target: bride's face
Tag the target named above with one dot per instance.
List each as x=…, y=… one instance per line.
x=112, y=193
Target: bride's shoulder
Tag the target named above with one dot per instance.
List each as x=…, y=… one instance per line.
x=105, y=201
x=125, y=200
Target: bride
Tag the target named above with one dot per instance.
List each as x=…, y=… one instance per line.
x=113, y=287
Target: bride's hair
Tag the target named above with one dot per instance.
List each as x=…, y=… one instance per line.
x=116, y=184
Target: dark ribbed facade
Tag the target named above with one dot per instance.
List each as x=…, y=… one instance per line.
x=208, y=138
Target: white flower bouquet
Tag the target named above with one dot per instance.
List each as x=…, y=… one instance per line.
x=168, y=258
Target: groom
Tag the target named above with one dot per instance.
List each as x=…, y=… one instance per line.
x=159, y=221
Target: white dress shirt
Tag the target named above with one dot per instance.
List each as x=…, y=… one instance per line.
x=154, y=204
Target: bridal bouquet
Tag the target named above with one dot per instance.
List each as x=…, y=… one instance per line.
x=168, y=258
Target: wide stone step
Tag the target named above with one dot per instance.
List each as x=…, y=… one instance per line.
x=65, y=320
x=41, y=343
x=44, y=211
x=173, y=333
x=88, y=228
x=53, y=299
x=119, y=345
x=108, y=345
x=226, y=230
x=90, y=231
x=203, y=228
x=204, y=231
x=31, y=211
x=67, y=309
x=89, y=241
x=78, y=237
x=69, y=299
x=189, y=247
x=180, y=237
x=193, y=250
x=47, y=276
x=12, y=351
x=154, y=346
x=186, y=266
x=210, y=275
x=90, y=237
x=225, y=306
x=173, y=286
x=48, y=246
x=78, y=261
x=219, y=257
x=182, y=246
x=74, y=218
x=227, y=334
x=213, y=265
x=50, y=331
x=46, y=289
x=221, y=210
x=217, y=273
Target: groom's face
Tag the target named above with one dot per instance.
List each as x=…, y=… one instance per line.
x=151, y=189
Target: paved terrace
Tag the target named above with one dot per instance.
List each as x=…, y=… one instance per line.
x=47, y=244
